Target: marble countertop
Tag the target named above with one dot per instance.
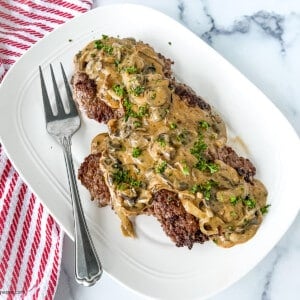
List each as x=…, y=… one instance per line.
x=262, y=40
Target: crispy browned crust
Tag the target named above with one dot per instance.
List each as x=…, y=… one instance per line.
x=92, y=178
x=84, y=93
x=189, y=96
x=167, y=66
x=180, y=226
x=243, y=166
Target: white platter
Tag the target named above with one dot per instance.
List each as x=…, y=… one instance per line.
x=150, y=264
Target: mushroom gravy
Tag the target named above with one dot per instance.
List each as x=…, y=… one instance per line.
x=162, y=142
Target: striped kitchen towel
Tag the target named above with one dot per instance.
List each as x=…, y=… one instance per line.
x=30, y=240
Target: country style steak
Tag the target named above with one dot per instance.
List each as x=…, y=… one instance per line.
x=165, y=152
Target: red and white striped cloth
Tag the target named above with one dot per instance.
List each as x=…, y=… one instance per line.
x=30, y=240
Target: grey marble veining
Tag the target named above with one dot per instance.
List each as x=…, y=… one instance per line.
x=268, y=278
x=262, y=40
x=270, y=23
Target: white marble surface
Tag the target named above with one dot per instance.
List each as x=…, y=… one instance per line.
x=262, y=40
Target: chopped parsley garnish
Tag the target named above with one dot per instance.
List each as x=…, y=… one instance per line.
x=136, y=152
x=205, y=188
x=137, y=91
x=213, y=168
x=161, y=167
x=185, y=170
x=183, y=136
x=265, y=209
x=129, y=112
x=143, y=110
x=203, y=165
x=127, y=104
x=122, y=177
x=153, y=96
x=98, y=45
x=104, y=36
x=198, y=151
x=161, y=141
x=128, y=109
x=198, y=148
x=195, y=188
x=117, y=62
x=131, y=70
x=234, y=200
x=119, y=90
x=106, y=48
x=173, y=125
x=204, y=124
x=135, y=183
x=137, y=124
x=250, y=203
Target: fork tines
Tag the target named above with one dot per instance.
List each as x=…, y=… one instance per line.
x=61, y=113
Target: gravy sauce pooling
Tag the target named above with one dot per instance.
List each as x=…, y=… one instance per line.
x=161, y=142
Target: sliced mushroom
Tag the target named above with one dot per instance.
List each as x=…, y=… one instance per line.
x=98, y=144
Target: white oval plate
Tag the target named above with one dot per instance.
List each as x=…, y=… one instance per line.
x=151, y=264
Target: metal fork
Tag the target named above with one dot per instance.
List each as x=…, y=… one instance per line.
x=62, y=126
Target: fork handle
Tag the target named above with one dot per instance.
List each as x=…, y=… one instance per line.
x=88, y=268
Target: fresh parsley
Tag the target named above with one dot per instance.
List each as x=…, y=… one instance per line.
x=106, y=48
x=137, y=124
x=205, y=188
x=119, y=90
x=234, y=200
x=129, y=112
x=198, y=150
x=161, y=141
x=136, y=152
x=153, y=96
x=185, y=169
x=183, y=137
x=122, y=177
x=250, y=203
x=131, y=70
x=173, y=125
x=203, y=124
x=160, y=168
x=137, y=91
x=98, y=45
x=265, y=209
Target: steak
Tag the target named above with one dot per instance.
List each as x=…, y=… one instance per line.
x=85, y=94
x=92, y=178
x=179, y=225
